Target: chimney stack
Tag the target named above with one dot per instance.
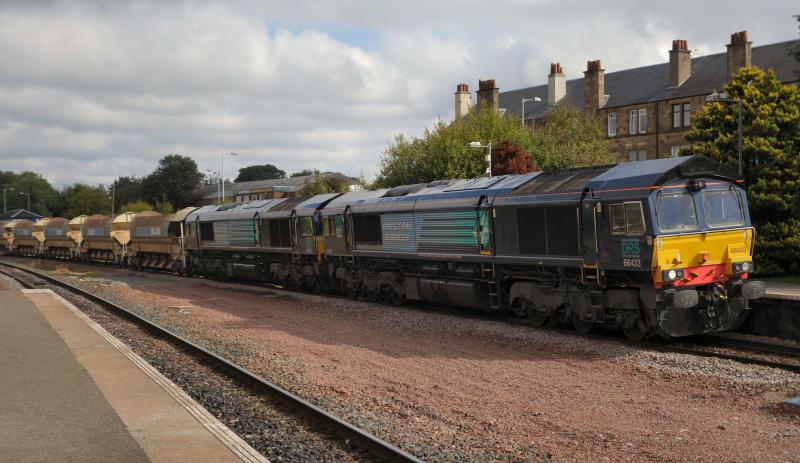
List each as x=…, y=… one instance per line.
x=680, y=63
x=488, y=96
x=594, y=85
x=740, y=54
x=556, y=84
x=463, y=100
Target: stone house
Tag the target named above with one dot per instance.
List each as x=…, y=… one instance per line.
x=645, y=111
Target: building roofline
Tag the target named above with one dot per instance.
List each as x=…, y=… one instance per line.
x=645, y=66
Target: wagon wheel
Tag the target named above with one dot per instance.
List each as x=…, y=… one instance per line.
x=582, y=326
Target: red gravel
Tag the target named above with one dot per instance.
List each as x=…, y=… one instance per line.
x=453, y=388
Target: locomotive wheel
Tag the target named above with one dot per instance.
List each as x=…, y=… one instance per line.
x=396, y=298
x=637, y=332
x=582, y=326
x=535, y=317
x=352, y=291
x=374, y=295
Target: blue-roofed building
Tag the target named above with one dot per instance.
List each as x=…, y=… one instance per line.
x=645, y=111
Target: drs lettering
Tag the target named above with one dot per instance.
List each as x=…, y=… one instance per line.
x=631, y=248
x=631, y=251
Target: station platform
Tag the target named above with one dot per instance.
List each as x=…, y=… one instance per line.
x=69, y=391
x=783, y=291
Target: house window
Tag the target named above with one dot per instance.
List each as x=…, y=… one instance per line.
x=642, y=120
x=637, y=155
x=681, y=115
x=675, y=151
x=633, y=121
x=612, y=124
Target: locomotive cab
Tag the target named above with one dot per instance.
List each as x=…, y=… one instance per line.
x=702, y=255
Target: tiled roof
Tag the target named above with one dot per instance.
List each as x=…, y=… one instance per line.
x=289, y=184
x=18, y=214
x=651, y=83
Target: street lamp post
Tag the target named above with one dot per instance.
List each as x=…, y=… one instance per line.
x=5, y=209
x=477, y=144
x=29, y=199
x=717, y=96
x=522, y=112
x=222, y=173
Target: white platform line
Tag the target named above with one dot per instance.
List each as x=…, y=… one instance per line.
x=232, y=441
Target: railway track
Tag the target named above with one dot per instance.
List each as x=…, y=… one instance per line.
x=719, y=346
x=381, y=449
x=755, y=346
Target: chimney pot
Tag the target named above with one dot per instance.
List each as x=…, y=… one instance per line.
x=488, y=95
x=594, y=85
x=680, y=62
x=463, y=100
x=739, y=53
x=556, y=84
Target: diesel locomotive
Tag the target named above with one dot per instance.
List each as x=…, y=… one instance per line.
x=661, y=247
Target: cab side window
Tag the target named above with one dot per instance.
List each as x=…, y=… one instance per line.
x=627, y=218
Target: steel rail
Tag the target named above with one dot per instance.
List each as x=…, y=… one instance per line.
x=378, y=447
x=794, y=368
x=752, y=345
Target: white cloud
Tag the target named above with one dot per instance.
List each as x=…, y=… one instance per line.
x=89, y=92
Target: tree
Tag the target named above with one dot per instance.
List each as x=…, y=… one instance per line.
x=508, y=158
x=44, y=198
x=127, y=190
x=442, y=152
x=771, y=160
x=7, y=178
x=259, y=172
x=164, y=206
x=81, y=199
x=136, y=206
x=325, y=183
x=571, y=138
x=174, y=180
x=303, y=173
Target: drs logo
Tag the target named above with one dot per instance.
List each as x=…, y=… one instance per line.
x=631, y=250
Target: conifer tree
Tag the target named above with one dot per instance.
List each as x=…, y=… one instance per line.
x=771, y=161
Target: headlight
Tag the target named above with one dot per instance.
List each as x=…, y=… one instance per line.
x=743, y=267
x=672, y=274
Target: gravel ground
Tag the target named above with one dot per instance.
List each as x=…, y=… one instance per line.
x=450, y=388
x=268, y=427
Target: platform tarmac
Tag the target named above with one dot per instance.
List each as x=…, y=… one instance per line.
x=71, y=392
x=785, y=291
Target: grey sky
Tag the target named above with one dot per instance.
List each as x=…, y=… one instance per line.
x=90, y=91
